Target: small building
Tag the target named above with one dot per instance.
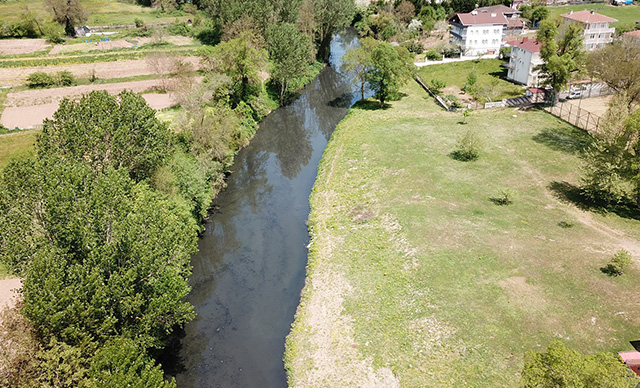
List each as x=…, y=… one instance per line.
x=83, y=31
x=633, y=35
x=478, y=32
x=536, y=95
x=523, y=60
x=597, y=31
x=632, y=360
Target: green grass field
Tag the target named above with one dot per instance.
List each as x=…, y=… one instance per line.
x=487, y=70
x=16, y=144
x=439, y=284
x=101, y=12
x=626, y=15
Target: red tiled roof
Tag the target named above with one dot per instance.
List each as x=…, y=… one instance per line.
x=588, y=17
x=635, y=34
x=469, y=19
x=632, y=359
x=528, y=44
x=514, y=23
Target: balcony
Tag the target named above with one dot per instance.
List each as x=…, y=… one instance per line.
x=599, y=31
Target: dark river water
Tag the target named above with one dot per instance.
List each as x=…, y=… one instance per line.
x=250, y=268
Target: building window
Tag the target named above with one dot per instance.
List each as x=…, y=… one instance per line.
x=485, y=41
x=496, y=31
x=485, y=32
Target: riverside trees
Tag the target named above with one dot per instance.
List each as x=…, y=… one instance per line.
x=104, y=255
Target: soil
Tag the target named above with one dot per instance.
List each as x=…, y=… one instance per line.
x=29, y=108
x=463, y=98
x=22, y=46
x=8, y=294
x=103, y=70
x=596, y=105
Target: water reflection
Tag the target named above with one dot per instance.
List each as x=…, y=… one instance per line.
x=250, y=268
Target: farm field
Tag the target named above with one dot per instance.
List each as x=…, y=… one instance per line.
x=101, y=12
x=626, y=15
x=417, y=277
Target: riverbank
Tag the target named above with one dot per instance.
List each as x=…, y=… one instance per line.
x=416, y=277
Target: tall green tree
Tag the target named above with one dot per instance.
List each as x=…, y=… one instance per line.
x=107, y=132
x=562, y=54
x=69, y=13
x=618, y=65
x=357, y=62
x=330, y=15
x=391, y=67
x=290, y=50
x=560, y=367
x=241, y=59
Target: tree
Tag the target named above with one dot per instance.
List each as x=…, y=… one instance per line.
x=241, y=59
x=405, y=11
x=618, y=65
x=391, y=67
x=330, y=15
x=289, y=49
x=68, y=13
x=106, y=131
x=357, y=61
x=561, y=53
x=538, y=14
x=560, y=367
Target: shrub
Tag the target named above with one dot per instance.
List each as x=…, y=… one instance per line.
x=437, y=85
x=468, y=147
x=138, y=22
x=65, y=78
x=433, y=55
x=413, y=47
x=180, y=28
x=40, y=79
x=619, y=263
x=505, y=198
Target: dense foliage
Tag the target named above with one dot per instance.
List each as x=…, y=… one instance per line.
x=560, y=367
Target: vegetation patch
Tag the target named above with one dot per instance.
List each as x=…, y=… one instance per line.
x=437, y=284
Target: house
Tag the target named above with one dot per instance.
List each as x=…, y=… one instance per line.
x=478, y=32
x=82, y=31
x=632, y=360
x=633, y=35
x=537, y=95
x=515, y=26
x=597, y=31
x=524, y=58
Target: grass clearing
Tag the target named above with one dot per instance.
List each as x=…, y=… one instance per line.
x=626, y=15
x=487, y=71
x=438, y=284
x=16, y=144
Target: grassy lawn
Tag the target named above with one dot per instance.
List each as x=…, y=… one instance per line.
x=16, y=144
x=626, y=15
x=432, y=281
x=101, y=12
x=487, y=70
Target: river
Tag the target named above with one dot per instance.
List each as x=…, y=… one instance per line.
x=250, y=268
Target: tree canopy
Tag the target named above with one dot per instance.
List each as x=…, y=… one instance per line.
x=618, y=65
x=390, y=67
x=290, y=51
x=69, y=13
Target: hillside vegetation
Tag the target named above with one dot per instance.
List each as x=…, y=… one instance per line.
x=420, y=274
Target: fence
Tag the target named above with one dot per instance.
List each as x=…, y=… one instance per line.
x=575, y=115
x=437, y=97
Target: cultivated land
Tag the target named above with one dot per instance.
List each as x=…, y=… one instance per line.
x=417, y=278
x=626, y=15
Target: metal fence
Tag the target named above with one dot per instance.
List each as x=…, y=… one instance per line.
x=575, y=115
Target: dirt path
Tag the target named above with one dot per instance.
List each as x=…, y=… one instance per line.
x=17, y=75
x=8, y=294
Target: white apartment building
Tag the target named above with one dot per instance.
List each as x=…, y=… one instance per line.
x=478, y=32
x=525, y=56
x=597, y=31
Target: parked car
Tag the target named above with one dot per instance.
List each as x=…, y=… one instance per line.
x=574, y=94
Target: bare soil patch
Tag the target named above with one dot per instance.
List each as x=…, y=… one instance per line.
x=595, y=105
x=8, y=292
x=103, y=70
x=22, y=46
x=463, y=98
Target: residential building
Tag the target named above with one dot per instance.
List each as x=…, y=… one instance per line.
x=478, y=32
x=634, y=35
x=597, y=31
x=515, y=26
x=524, y=58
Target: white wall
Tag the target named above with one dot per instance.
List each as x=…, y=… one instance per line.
x=483, y=38
x=521, y=66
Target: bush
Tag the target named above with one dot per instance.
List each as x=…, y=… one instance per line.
x=138, y=22
x=468, y=147
x=619, y=263
x=65, y=78
x=433, y=55
x=40, y=79
x=437, y=85
x=505, y=198
x=413, y=47
x=180, y=28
